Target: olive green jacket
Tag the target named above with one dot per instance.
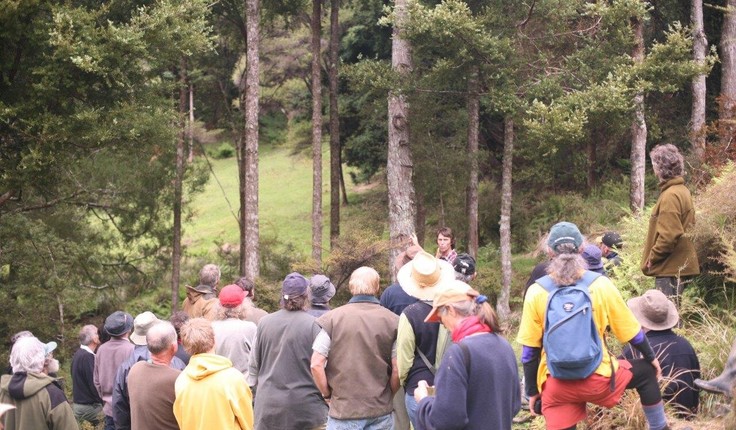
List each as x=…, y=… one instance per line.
x=668, y=247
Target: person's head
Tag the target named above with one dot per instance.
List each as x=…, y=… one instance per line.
x=209, y=275
x=141, y=324
x=295, y=292
x=364, y=280
x=178, y=319
x=14, y=338
x=248, y=286
x=610, y=241
x=422, y=276
x=162, y=340
x=321, y=289
x=457, y=301
x=565, y=244
x=28, y=355
x=667, y=161
x=445, y=239
x=593, y=257
x=231, y=303
x=118, y=324
x=88, y=336
x=464, y=266
x=405, y=257
x=654, y=311
x=197, y=336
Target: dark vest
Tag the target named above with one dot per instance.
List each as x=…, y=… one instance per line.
x=425, y=339
x=359, y=365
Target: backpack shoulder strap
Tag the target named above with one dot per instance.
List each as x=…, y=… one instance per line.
x=588, y=278
x=547, y=283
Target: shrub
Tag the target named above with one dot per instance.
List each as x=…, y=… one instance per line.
x=225, y=150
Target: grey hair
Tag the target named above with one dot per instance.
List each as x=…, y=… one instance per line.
x=209, y=275
x=87, y=334
x=364, y=280
x=160, y=337
x=567, y=266
x=28, y=355
x=667, y=161
x=25, y=333
x=483, y=311
x=238, y=312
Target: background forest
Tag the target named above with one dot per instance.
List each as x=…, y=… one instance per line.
x=140, y=139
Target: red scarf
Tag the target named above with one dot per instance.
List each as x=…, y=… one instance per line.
x=468, y=326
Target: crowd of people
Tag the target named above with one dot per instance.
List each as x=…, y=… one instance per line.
x=427, y=353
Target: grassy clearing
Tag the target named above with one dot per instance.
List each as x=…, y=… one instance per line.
x=285, y=200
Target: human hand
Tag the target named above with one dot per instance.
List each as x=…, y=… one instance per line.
x=421, y=391
x=658, y=368
x=414, y=240
x=533, y=401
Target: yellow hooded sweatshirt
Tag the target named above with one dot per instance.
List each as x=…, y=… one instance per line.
x=212, y=394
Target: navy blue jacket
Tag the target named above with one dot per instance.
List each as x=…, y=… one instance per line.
x=487, y=398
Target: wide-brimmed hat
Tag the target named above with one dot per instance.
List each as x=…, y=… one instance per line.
x=654, y=310
x=406, y=256
x=118, y=323
x=455, y=291
x=141, y=324
x=422, y=276
x=322, y=289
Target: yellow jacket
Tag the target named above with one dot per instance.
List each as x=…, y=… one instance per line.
x=212, y=394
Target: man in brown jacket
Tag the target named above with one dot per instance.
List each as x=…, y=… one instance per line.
x=201, y=300
x=669, y=254
x=360, y=376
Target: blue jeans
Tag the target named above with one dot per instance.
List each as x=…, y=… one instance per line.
x=379, y=423
x=411, y=408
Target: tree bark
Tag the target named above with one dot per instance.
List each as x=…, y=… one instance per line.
x=334, y=124
x=250, y=243
x=638, y=129
x=316, y=131
x=502, y=306
x=473, y=125
x=178, y=187
x=700, y=47
x=399, y=170
x=190, y=126
x=728, y=75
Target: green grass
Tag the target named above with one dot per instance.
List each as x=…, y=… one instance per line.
x=285, y=202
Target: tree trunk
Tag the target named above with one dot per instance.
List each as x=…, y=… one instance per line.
x=316, y=131
x=342, y=182
x=178, y=188
x=728, y=75
x=334, y=124
x=638, y=129
x=190, y=126
x=700, y=47
x=249, y=248
x=502, y=306
x=473, y=114
x=399, y=170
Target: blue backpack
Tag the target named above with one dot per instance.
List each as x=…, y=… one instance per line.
x=571, y=340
